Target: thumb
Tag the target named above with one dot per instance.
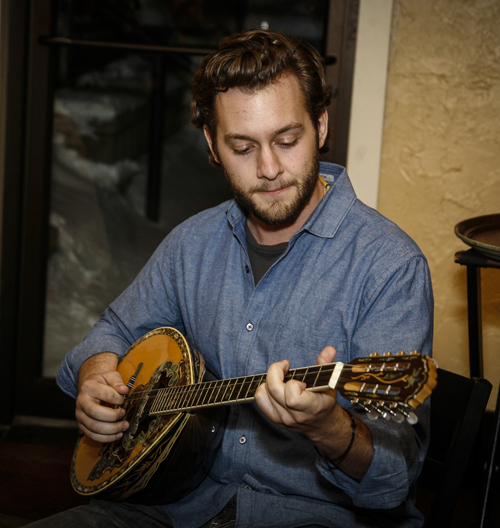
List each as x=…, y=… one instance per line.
x=327, y=355
x=115, y=380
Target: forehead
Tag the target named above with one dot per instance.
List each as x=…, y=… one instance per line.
x=240, y=111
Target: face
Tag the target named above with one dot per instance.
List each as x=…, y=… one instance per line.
x=268, y=148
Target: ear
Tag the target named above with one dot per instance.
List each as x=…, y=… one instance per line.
x=322, y=128
x=210, y=142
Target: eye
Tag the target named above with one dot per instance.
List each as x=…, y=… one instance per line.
x=242, y=148
x=242, y=152
x=288, y=144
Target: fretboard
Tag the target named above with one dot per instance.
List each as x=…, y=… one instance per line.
x=231, y=391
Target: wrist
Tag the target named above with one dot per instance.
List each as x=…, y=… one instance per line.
x=351, y=441
x=97, y=365
x=337, y=440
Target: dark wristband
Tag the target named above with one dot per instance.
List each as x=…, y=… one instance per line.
x=353, y=434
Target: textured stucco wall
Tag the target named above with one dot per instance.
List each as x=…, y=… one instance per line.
x=441, y=153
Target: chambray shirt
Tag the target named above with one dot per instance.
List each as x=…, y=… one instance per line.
x=349, y=278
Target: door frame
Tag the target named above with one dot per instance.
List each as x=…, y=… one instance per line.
x=26, y=191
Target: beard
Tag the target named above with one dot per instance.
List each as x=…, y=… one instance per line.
x=277, y=212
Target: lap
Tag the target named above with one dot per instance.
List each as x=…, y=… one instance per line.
x=103, y=514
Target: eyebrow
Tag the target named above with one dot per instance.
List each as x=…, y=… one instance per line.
x=286, y=128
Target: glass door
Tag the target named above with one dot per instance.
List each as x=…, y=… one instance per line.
x=121, y=164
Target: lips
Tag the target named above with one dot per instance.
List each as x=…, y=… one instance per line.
x=273, y=191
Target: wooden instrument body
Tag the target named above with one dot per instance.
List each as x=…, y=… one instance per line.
x=160, y=458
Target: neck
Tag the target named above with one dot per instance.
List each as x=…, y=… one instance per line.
x=270, y=235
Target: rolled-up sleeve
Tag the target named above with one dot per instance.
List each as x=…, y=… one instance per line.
x=398, y=316
x=146, y=304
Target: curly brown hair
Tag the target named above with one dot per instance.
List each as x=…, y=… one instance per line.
x=251, y=61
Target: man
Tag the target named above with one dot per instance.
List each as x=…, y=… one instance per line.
x=295, y=266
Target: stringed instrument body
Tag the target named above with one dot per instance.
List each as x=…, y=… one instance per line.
x=177, y=418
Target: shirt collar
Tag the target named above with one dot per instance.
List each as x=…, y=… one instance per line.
x=335, y=204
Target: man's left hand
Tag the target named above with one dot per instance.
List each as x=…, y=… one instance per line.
x=317, y=416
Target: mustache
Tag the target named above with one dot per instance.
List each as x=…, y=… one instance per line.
x=271, y=186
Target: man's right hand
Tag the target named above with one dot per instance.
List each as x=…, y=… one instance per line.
x=101, y=390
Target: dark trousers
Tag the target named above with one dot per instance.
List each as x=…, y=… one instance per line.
x=104, y=514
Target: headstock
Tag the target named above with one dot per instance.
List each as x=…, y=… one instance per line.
x=390, y=385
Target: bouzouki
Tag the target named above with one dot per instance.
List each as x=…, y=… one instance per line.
x=177, y=419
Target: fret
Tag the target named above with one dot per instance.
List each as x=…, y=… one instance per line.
x=239, y=385
x=157, y=403
x=304, y=377
x=219, y=398
x=325, y=375
x=255, y=384
x=299, y=371
x=307, y=377
x=209, y=387
x=213, y=392
x=197, y=395
x=169, y=398
x=185, y=394
x=201, y=390
x=168, y=395
x=228, y=388
x=191, y=396
x=311, y=376
x=234, y=388
x=249, y=393
x=177, y=398
x=154, y=404
x=245, y=387
x=315, y=383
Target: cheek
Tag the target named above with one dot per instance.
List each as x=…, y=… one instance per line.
x=296, y=162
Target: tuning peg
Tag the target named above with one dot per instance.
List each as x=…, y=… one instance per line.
x=378, y=410
x=372, y=415
x=374, y=354
x=410, y=416
x=387, y=354
x=414, y=353
x=400, y=353
x=369, y=409
x=396, y=415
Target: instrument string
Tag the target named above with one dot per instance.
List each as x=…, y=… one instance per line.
x=202, y=388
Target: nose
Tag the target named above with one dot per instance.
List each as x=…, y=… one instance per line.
x=269, y=165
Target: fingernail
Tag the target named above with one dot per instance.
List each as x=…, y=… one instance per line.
x=125, y=426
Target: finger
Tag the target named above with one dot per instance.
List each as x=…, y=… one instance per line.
x=101, y=392
x=277, y=388
x=277, y=371
x=327, y=355
x=296, y=396
x=100, y=435
x=115, y=380
x=96, y=419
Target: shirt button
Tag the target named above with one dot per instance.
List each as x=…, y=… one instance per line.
x=249, y=327
x=242, y=440
x=247, y=486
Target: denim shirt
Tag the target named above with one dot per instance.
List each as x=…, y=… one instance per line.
x=349, y=278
